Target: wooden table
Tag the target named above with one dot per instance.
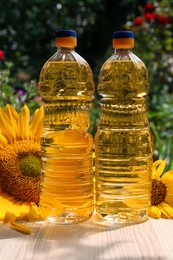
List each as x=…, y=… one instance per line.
x=152, y=239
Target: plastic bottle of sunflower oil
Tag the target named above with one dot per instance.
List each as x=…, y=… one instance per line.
x=123, y=142
x=66, y=87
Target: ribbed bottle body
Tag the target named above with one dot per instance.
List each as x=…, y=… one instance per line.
x=123, y=143
x=66, y=87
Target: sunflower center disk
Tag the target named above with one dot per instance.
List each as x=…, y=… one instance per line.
x=30, y=166
x=158, y=192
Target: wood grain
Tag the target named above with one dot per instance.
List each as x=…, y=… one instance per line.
x=89, y=240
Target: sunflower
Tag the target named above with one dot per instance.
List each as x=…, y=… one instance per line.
x=20, y=163
x=162, y=191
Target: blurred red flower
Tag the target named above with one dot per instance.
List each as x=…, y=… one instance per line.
x=149, y=16
x=2, y=56
x=138, y=20
x=163, y=19
x=149, y=7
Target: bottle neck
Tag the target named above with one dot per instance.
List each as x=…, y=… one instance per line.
x=65, y=49
x=122, y=50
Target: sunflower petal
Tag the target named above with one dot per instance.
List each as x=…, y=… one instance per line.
x=4, y=206
x=34, y=119
x=11, y=112
x=25, y=208
x=36, y=124
x=11, y=209
x=3, y=141
x=169, y=196
x=24, y=118
x=5, y=127
x=154, y=168
x=16, y=208
x=167, y=178
x=34, y=213
x=154, y=212
x=9, y=217
x=20, y=228
x=158, y=168
x=13, y=117
x=166, y=209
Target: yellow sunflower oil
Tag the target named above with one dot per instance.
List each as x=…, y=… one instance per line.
x=66, y=86
x=123, y=142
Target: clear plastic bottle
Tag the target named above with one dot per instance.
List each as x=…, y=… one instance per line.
x=66, y=87
x=123, y=142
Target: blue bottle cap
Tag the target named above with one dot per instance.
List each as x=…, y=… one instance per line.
x=66, y=38
x=66, y=33
x=123, y=34
x=123, y=39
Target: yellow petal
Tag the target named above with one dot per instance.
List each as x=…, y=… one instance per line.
x=36, y=124
x=166, y=209
x=34, y=213
x=13, y=211
x=154, y=168
x=5, y=127
x=25, y=208
x=169, y=197
x=3, y=141
x=13, y=117
x=154, y=212
x=158, y=168
x=11, y=112
x=4, y=206
x=10, y=209
x=9, y=217
x=24, y=118
x=34, y=119
x=167, y=178
x=20, y=228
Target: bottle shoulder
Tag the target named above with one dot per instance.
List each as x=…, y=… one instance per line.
x=67, y=59
x=124, y=56
x=66, y=74
x=123, y=76
x=65, y=55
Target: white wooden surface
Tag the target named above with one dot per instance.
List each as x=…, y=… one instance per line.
x=152, y=239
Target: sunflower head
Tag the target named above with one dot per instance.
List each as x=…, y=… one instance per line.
x=162, y=191
x=158, y=192
x=30, y=165
x=20, y=158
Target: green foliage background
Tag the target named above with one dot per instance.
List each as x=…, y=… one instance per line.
x=27, y=28
x=27, y=32
x=154, y=45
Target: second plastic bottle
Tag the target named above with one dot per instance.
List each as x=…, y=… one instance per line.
x=66, y=86
x=123, y=144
